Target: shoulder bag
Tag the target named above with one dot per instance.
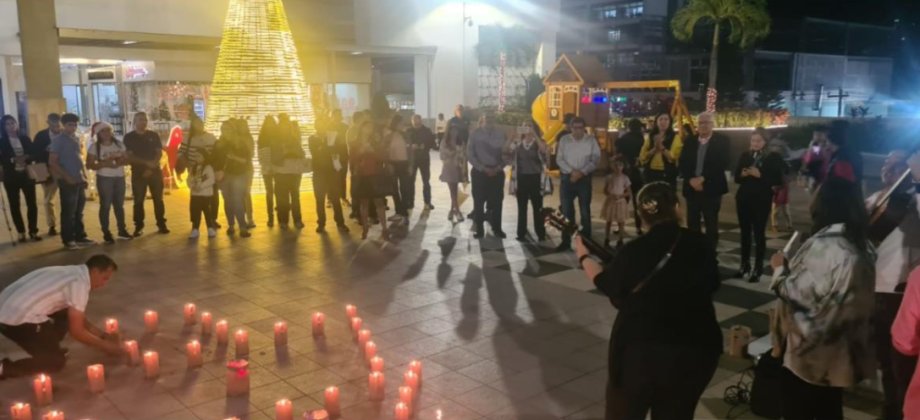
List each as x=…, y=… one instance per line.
x=618, y=302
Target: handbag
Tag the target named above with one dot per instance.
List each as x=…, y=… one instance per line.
x=38, y=172
x=546, y=186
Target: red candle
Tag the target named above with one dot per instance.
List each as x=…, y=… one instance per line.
x=206, y=323
x=406, y=397
x=351, y=311
x=42, y=387
x=319, y=324
x=402, y=412
x=237, y=378
x=416, y=367
x=284, y=410
x=222, y=331
x=241, y=339
x=412, y=381
x=376, y=364
x=134, y=357
x=375, y=383
x=281, y=335
x=96, y=376
x=152, y=321
x=54, y=415
x=332, y=405
x=190, y=310
x=21, y=411
x=111, y=326
x=370, y=350
x=193, y=348
x=363, y=337
x=355, y=325
x=151, y=364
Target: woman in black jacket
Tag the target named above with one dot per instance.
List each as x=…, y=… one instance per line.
x=666, y=342
x=758, y=172
x=15, y=153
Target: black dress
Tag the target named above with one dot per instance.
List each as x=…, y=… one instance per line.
x=665, y=342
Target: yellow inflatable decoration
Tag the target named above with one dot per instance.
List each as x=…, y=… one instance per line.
x=540, y=114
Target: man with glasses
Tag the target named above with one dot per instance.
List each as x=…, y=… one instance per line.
x=703, y=164
x=577, y=155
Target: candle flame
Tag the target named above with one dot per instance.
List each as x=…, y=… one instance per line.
x=20, y=406
x=438, y=414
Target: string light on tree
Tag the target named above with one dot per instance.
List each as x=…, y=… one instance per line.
x=502, y=60
x=711, y=95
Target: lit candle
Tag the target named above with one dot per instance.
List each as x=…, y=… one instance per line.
x=375, y=383
x=370, y=351
x=237, y=378
x=190, y=310
x=319, y=324
x=406, y=397
x=152, y=321
x=222, y=331
x=376, y=364
x=332, y=405
x=54, y=415
x=134, y=357
x=363, y=337
x=21, y=411
x=351, y=311
x=151, y=364
x=284, y=410
x=111, y=326
x=402, y=412
x=206, y=323
x=412, y=381
x=96, y=376
x=241, y=338
x=416, y=367
x=42, y=387
x=281, y=335
x=193, y=349
x=355, y=325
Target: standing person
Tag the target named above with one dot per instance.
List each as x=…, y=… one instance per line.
x=232, y=163
x=816, y=159
x=146, y=149
x=825, y=307
x=108, y=157
x=758, y=172
x=398, y=150
x=486, y=151
x=461, y=122
x=629, y=148
x=66, y=161
x=577, y=156
x=245, y=134
x=41, y=149
x=351, y=137
x=616, y=206
x=845, y=160
x=666, y=341
x=703, y=163
x=440, y=128
x=327, y=149
x=366, y=152
x=287, y=160
x=15, y=154
x=421, y=142
x=661, y=151
x=267, y=136
x=196, y=153
x=781, y=193
x=453, y=169
x=529, y=155
x=38, y=310
x=340, y=129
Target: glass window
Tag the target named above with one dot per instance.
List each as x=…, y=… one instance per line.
x=606, y=13
x=634, y=10
x=555, y=96
x=613, y=35
x=73, y=98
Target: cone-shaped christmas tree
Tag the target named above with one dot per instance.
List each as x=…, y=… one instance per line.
x=258, y=71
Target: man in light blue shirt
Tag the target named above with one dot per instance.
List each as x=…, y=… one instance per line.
x=487, y=151
x=577, y=156
x=66, y=163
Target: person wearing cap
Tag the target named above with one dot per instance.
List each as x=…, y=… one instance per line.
x=108, y=157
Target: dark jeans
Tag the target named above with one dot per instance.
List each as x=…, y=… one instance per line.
x=328, y=186
x=42, y=342
x=897, y=369
x=423, y=166
x=201, y=206
x=805, y=401
x=580, y=190
x=269, y=181
x=529, y=191
x=404, y=187
x=753, y=214
x=287, y=194
x=111, y=195
x=343, y=181
x=234, y=189
x=652, y=175
x=705, y=207
x=488, y=191
x=15, y=183
x=73, y=199
x=215, y=203
x=139, y=186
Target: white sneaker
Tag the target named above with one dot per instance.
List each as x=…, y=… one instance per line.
x=195, y=234
x=211, y=233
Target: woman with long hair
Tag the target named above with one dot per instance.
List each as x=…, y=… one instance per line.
x=666, y=342
x=366, y=157
x=528, y=177
x=826, y=304
x=15, y=155
x=245, y=134
x=287, y=159
x=661, y=151
x=232, y=163
x=267, y=135
x=108, y=157
x=453, y=168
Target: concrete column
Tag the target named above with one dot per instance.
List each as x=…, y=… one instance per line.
x=41, y=60
x=423, y=86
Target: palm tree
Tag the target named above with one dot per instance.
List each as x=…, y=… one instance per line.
x=748, y=20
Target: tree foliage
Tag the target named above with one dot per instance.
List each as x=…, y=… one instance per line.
x=748, y=19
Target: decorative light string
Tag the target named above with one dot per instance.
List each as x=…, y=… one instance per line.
x=502, y=60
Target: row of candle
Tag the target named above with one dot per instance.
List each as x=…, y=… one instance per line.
x=22, y=411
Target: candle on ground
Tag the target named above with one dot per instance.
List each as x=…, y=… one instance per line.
x=241, y=339
x=284, y=410
x=237, y=378
x=111, y=326
x=54, y=415
x=351, y=311
x=281, y=335
x=402, y=412
x=193, y=349
x=96, y=376
x=206, y=323
x=370, y=350
x=332, y=405
x=319, y=324
x=416, y=367
x=355, y=326
x=406, y=397
x=42, y=387
x=376, y=364
x=190, y=310
x=152, y=321
x=363, y=337
x=151, y=364
x=222, y=331
x=134, y=357
x=21, y=411
x=375, y=383
x=411, y=381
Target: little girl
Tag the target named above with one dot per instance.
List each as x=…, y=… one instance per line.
x=201, y=183
x=616, y=207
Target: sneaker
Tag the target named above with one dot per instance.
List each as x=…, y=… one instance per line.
x=429, y=206
x=138, y=232
x=251, y=225
x=499, y=234
x=22, y=237
x=244, y=233
x=108, y=238
x=194, y=235
x=299, y=225
x=35, y=237
x=52, y=231
x=163, y=230
x=343, y=228
x=123, y=234
x=86, y=242
x=71, y=246
x=320, y=229
x=211, y=233
x=394, y=218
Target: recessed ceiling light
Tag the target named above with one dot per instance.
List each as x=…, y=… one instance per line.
x=129, y=42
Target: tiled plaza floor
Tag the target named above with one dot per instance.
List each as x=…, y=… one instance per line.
x=504, y=329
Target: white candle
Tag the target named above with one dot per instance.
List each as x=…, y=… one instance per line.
x=416, y=367
x=319, y=324
x=237, y=378
x=43, y=390
x=152, y=321
x=363, y=337
x=401, y=411
x=412, y=381
x=284, y=410
x=96, y=376
x=151, y=364
x=21, y=411
x=134, y=357
x=376, y=364
x=54, y=415
x=355, y=326
x=406, y=396
x=222, y=332
x=370, y=351
x=241, y=339
x=206, y=323
x=351, y=311
x=193, y=348
x=190, y=311
x=281, y=335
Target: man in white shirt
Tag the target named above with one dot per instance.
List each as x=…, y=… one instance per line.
x=577, y=155
x=39, y=309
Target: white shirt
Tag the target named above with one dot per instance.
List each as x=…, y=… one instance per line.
x=43, y=292
x=109, y=153
x=18, y=151
x=899, y=253
x=578, y=155
x=440, y=126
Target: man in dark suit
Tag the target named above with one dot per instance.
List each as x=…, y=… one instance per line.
x=328, y=150
x=703, y=163
x=341, y=129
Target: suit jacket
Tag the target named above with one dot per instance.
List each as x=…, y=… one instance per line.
x=7, y=154
x=715, y=164
x=322, y=155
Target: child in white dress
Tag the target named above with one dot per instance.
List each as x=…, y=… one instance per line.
x=616, y=206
